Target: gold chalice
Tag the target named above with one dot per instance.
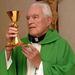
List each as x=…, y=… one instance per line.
x=14, y=15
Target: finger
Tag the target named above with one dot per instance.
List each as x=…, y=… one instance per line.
x=11, y=35
x=35, y=51
x=13, y=29
x=27, y=54
x=33, y=48
x=15, y=35
x=12, y=32
x=27, y=51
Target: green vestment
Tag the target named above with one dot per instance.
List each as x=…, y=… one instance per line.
x=56, y=55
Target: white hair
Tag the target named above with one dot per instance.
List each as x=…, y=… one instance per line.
x=45, y=8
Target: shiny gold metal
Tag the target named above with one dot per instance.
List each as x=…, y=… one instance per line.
x=14, y=15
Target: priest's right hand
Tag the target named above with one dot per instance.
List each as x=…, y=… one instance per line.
x=12, y=33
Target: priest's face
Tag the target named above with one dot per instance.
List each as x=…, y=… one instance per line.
x=38, y=22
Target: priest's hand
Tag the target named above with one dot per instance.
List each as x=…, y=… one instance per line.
x=12, y=33
x=32, y=54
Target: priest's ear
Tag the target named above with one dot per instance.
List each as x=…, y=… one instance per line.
x=49, y=20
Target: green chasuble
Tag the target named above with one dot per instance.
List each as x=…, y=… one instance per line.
x=56, y=55
x=3, y=67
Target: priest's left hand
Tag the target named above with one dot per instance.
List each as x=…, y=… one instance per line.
x=32, y=54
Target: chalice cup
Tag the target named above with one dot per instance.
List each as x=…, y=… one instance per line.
x=13, y=15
